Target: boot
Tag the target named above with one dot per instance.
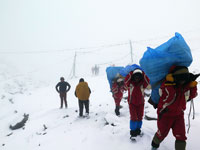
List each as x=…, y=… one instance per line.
x=133, y=134
x=155, y=142
x=180, y=145
x=153, y=148
x=138, y=132
x=117, y=110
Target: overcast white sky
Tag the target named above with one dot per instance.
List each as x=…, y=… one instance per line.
x=60, y=24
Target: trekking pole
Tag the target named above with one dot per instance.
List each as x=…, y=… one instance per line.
x=191, y=106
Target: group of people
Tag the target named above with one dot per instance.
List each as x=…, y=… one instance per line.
x=95, y=70
x=178, y=87
x=82, y=92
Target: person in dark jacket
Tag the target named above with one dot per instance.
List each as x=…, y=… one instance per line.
x=178, y=88
x=82, y=92
x=62, y=88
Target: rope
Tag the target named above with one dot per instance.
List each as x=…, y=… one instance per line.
x=191, y=107
x=193, y=110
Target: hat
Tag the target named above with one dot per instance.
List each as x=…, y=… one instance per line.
x=137, y=71
x=175, y=70
x=119, y=80
x=137, y=75
x=62, y=78
x=81, y=80
x=178, y=73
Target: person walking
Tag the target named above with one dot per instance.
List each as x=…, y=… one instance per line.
x=136, y=82
x=62, y=88
x=178, y=88
x=118, y=89
x=82, y=92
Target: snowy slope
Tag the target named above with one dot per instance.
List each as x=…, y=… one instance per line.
x=39, y=41
x=66, y=131
x=31, y=90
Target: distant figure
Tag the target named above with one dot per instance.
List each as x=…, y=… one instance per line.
x=82, y=92
x=118, y=89
x=93, y=71
x=96, y=70
x=63, y=87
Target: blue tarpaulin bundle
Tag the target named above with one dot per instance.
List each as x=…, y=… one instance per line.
x=157, y=62
x=112, y=73
x=125, y=71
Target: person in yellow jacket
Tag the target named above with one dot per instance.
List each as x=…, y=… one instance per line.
x=82, y=92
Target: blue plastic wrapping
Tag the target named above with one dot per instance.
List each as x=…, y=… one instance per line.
x=112, y=73
x=157, y=62
x=125, y=71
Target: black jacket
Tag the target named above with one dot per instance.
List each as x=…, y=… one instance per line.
x=63, y=87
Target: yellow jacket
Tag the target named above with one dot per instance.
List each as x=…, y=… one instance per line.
x=82, y=91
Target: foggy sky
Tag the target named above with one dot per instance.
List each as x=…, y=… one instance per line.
x=60, y=24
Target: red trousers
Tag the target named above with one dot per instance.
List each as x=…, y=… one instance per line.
x=117, y=101
x=176, y=123
x=136, y=112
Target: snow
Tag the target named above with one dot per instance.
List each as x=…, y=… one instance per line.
x=65, y=130
x=31, y=90
x=38, y=42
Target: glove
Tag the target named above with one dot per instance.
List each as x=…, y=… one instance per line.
x=193, y=84
x=194, y=76
x=170, y=77
x=150, y=101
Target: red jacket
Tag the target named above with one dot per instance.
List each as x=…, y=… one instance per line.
x=174, y=98
x=117, y=91
x=136, y=90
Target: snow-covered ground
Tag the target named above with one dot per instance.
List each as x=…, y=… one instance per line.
x=27, y=83
x=41, y=39
x=103, y=130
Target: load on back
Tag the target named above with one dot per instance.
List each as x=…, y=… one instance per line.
x=157, y=62
x=114, y=72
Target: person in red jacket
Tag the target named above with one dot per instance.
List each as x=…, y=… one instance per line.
x=136, y=82
x=178, y=88
x=118, y=89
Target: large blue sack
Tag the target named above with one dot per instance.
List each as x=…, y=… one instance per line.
x=125, y=71
x=112, y=73
x=157, y=62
